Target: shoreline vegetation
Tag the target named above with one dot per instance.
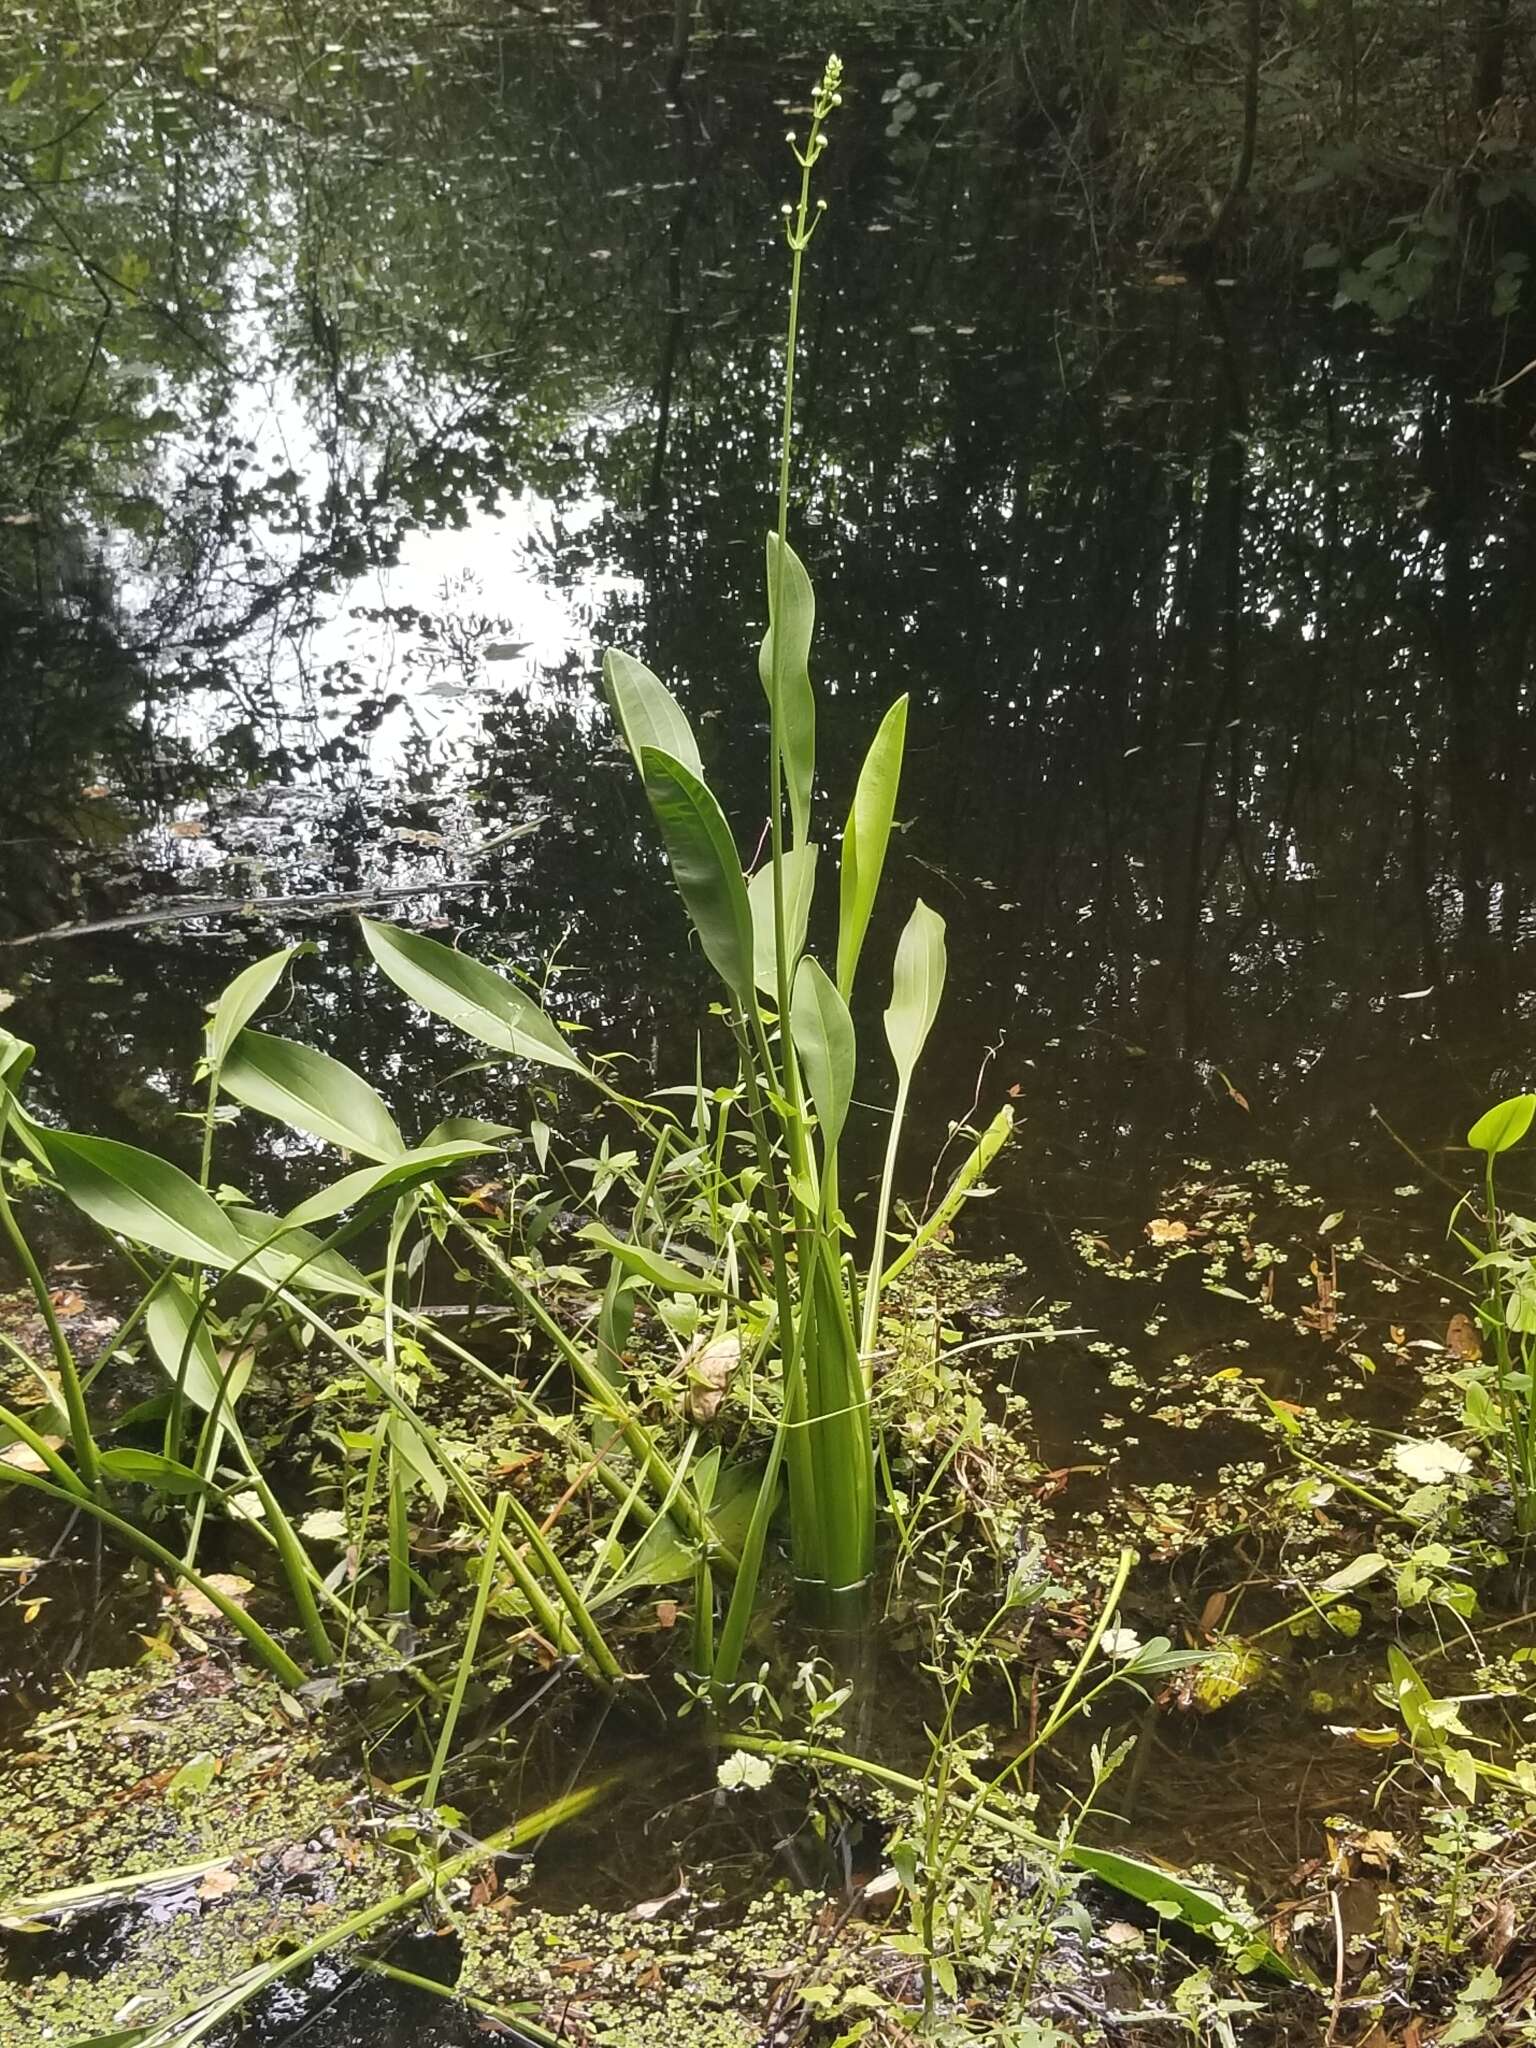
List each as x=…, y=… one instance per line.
x=624, y=1478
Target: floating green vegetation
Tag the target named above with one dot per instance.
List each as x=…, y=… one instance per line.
x=195, y=1807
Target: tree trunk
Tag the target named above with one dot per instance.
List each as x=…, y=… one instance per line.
x=1490, y=38
x=1242, y=170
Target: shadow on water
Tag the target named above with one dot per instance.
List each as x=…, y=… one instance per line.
x=358, y=391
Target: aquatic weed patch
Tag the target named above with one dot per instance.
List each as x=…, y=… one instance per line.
x=170, y=1828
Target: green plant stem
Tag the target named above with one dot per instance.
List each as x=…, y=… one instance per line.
x=297, y=1568
x=271, y=1653
x=467, y=1661
x=23, y=1431
x=605, y=1397
x=397, y=1478
x=1058, y=1711
x=599, y=1656
x=509, y=2016
x=872, y=1286
x=82, y=1440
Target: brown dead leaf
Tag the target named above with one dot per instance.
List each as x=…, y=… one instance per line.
x=1461, y=1338
x=67, y=1301
x=22, y=1458
x=218, y=1884
x=666, y=1614
x=711, y=1368
x=1163, y=1230
x=187, y=828
x=1211, y=1612
x=192, y=1600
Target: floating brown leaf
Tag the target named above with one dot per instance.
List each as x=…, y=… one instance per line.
x=1461, y=1338
x=1163, y=1230
x=191, y=1600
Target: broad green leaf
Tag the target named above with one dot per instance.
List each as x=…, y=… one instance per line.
x=661, y=1272
x=916, y=987
x=405, y=1440
x=482, y=1004
x=1367, y=1566
x=1414, y=1700
x=705, y=867
x=972, y=1167
x=149, y=1468
x=1154, y=1884
x=424, y=1163
x=663, y=1556
x=799, y=888
x=647, y=713
x=474, y=1130
x=280, y=1254
x=153, y=1203
x=16, y=1056
x=824, y=1041
x=796, y=702
x=866, y=837
x=243, y=998
x=309, y=1091
x=144, y=1199
x=176, y=1333
x=1503, y=1125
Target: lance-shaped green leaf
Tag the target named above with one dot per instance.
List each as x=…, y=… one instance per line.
x=183, y=1343
x=309, y=1091
x=960, y=1189
x=647, y=713
x=155, y=1204
x=652, y=1266
x=479, y=1002
x=280, y=1254
x=1503, y=1125
x=425, y=1162
x=784, y=667
x=1197, y=1907
x=418, y=1460
x=148, y=1468
x=799, y=867
x=705, y=866
x=824, y=1041
x=16, y=1056
x=916, y=987
x=142, y=1198
x=243, y=998
x=866, y=837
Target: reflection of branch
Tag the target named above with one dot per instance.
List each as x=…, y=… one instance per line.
x=89, y=114
x=75, y=403
x=97, y=272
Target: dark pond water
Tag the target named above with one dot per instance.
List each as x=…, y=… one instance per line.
x=357, y=389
